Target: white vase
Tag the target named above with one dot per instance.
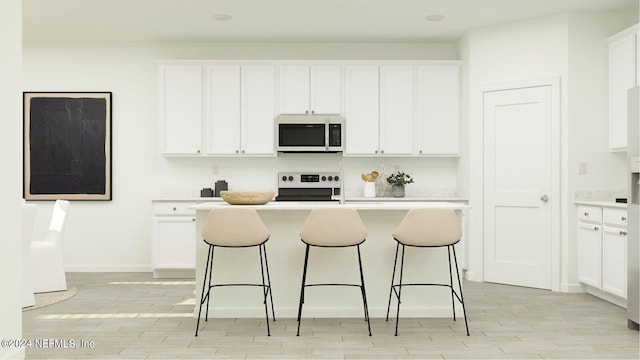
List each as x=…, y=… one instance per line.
x=369, y=189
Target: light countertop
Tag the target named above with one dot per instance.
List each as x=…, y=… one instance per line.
x=611, y=204
x=308, y=205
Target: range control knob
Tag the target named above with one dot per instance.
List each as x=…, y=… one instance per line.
x=336, y=178
x=330, y=178
x=290, y=178
x=284, y=178
x=324, y=178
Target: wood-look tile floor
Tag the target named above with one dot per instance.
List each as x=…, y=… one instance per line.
x=133, y=316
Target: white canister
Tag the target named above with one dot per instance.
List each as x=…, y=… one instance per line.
x=369, y=189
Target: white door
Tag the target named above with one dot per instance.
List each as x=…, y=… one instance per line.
x=520, y=152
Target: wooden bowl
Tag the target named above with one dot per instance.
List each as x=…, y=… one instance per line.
x=247, y=197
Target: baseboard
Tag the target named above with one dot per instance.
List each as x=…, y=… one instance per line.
x=614, y=299
x=572, y=288
x=107, y=268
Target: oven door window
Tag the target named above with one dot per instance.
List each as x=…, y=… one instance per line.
x=301, y=135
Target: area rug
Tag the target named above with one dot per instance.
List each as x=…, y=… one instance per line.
x=50, y=298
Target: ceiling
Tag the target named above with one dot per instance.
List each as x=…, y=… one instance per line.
x=283, y=20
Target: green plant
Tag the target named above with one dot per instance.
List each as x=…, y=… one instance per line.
x=399, y=178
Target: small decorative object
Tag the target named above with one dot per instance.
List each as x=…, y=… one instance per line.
x=247, y=197
x=370, y=184
x=398, y=180
x=382, y=186
x=206, y=192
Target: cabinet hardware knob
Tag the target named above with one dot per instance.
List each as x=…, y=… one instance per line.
x=586, y=214
x=306, y=111
x=193, y=219
x=381, y=151
x=420, y=152
x=623, y=218
x=376, y=151
x=595, y=228
x=198, y=151
x=174, y=209
x=313, y=111
x=237, y=151
x=623, y=233
x=544, y=198
x=243, y=151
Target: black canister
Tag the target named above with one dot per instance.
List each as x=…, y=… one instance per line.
x=220, y=185
x=206, y=192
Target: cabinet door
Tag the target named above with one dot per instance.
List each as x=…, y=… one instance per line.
x=223, y=109
x=174, y=245
x=438, y=110
x=325, y=89
x=590, y=254
x=361, y=110
x=614, y=261
x=622, y=77
x=180, y=104
x=396, y=110
x=294, y=89
x=258, y=110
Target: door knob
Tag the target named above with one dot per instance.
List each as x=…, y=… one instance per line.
x=544, y=198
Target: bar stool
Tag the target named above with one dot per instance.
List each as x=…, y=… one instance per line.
x=333, y=228
x=235, y=228
x=428, y=228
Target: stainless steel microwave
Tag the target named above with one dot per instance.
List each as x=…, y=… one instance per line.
x=310, y=133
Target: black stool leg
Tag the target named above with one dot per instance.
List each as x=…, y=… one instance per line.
x=399, y=290
x=304, y=277
x=264, y=291
x=393, y=277
x=453, y=304
x=464, y=310
x=266, y=263
x=204, y=282
x=364, y=293
x=206, y=316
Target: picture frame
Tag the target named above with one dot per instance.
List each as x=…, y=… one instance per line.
x=67, y=145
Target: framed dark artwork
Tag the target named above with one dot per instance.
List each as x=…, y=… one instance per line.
x=67, y=145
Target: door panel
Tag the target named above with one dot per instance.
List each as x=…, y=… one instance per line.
x=518, y=186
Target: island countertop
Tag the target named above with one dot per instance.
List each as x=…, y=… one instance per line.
x=369, y=205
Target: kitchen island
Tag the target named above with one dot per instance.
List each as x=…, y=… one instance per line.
x=285, y=253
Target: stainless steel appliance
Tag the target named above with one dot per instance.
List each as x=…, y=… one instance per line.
x=633, y=210
x=310, y=133
x=309, y=186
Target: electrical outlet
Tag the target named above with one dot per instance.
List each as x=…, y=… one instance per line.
x=215, y=169
x=582, y=168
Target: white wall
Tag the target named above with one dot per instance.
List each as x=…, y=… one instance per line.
x=573, y=48
x=11, y=147
x=115, y=236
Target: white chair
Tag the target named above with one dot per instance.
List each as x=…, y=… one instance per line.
x=47, y=264
x=28, y=220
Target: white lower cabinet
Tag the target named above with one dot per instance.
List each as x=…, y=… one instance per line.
x=602, y=251
x=173, y=239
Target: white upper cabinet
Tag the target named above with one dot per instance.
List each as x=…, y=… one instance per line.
x=361, y=109
x=258, y=90
x=180, y=109
x=396, y=110
x=223, y=109
x=438, y=110
x=310, y=89
x=622, y=77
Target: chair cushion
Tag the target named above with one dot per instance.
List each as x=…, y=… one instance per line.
x=333, y=228
x=234, y=227
x=429, y=227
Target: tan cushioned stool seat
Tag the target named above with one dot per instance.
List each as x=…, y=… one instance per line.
x=429, y=227
x=234, y=227
x=333, y=227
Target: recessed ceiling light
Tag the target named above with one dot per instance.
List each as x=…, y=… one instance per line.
x=434, y=17
x=221, y=17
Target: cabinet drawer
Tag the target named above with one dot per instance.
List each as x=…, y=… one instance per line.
x=616, y=217
x=590, y=214
x=173, y=208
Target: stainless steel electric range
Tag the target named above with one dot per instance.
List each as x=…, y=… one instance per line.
x=308, y=186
